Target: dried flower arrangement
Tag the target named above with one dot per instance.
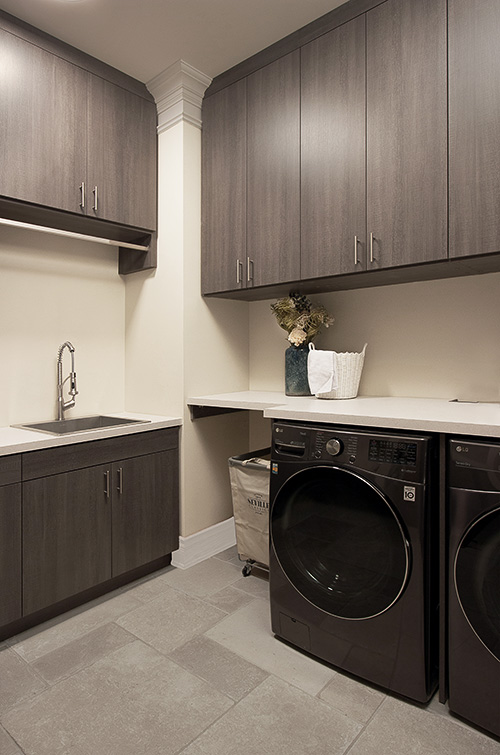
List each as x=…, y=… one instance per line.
x=302, y=321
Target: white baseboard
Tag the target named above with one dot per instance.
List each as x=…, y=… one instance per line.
x=204, y=544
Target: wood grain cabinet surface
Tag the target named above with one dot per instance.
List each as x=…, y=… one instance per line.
x=273, y=173
x=474, y=72
x=66, y=536
x=10, y=553
x=84, y=526
x=333, y=176
x=121, y=156
x=71, y=139
x=223, y=230
x=251, y=180
x=371, y=192
x=406, y=133
x=43, y=129
x=145, y=521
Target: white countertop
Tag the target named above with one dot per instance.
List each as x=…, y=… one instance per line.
x=15, y=440
x=421, y=414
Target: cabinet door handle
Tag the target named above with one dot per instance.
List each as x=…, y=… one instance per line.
x=372, y=238
x=94, y=192
x=120, y=480
x=82, y=195
x=107, y=490
x=249, y=269
x=356, y=250
x=239, y=271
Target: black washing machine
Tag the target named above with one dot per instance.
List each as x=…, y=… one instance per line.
x=474, y=582
x=353, y=554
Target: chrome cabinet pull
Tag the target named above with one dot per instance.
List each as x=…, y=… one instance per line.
x=94, y=192
x=355, y=250
x=120, y=480
x=239, y=271
x=372, y=237
x=82, y=195
x=249, y=269
x=107, y=490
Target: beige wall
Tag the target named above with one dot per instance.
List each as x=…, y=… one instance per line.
x=52, y=290
x=429, y=339
x=179, y=344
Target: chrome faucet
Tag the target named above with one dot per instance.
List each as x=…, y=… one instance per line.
x=61, y=404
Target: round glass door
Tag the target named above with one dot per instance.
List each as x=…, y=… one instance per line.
x=477, y=579
x=340, y=542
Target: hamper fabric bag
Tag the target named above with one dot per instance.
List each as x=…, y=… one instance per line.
x=249, y=475
x=334, y=374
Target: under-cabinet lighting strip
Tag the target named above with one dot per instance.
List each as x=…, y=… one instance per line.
x=73, y=235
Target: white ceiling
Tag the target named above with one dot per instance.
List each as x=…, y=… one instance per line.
x=143, y=37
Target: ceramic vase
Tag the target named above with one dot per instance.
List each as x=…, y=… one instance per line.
x=296, y=382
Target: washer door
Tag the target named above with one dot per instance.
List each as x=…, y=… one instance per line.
x=340, y=542
x=477, y=579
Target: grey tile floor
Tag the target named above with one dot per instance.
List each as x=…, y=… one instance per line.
x=185, y=662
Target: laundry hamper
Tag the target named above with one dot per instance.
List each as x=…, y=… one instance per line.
x=249, y=475
x=348, y=369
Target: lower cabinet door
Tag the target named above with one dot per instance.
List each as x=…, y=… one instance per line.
x=10, y=553
x=66, y=535
x=145, y=509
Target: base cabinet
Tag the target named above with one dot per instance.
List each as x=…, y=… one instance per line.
x=10, y=552
x=84, y=526
x=144, y=520
x=66, y=536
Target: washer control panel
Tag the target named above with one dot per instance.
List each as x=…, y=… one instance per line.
x=402, y=457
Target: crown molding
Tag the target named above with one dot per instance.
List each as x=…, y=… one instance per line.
x=178, y=92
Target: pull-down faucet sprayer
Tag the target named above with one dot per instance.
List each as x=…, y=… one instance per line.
x=61, y=404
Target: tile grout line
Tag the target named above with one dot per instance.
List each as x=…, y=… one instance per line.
x=364, y=727
x=179, y=752
x=23, y=752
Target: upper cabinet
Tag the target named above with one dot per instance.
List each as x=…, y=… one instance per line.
x=78, y=142
x=333, y=152
x=223, y=229
x=121, y=156
x=273, y=172
x=332, y=157
x=251, y=180
x=474, y=92
x=43, y=128
x=406, y=133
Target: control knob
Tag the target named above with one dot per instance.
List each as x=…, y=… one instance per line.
x=334, y=447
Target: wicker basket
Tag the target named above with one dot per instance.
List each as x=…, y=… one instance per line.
x=349, y=368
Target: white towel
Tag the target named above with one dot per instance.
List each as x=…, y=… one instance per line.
x=321, y=370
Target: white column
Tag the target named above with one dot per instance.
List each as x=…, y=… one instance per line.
x=177, y=342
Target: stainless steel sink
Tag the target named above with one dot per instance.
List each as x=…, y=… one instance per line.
x=79, y=424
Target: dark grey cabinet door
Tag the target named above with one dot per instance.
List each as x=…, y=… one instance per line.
x=474, y=117
x=223, y=231
x=145, y=509
x=10, y=553
x=42, y=126
x=406, y=132
x=121, y=148
x=333, y=152
x=273, y=172
x=66, y=536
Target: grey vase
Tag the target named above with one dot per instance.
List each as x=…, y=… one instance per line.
x=296, y=382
